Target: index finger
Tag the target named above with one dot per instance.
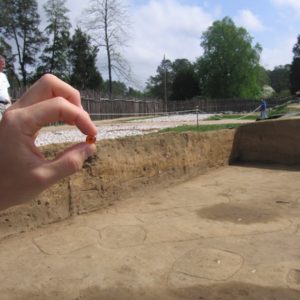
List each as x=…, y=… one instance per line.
x=52, y=110
x=49, y=86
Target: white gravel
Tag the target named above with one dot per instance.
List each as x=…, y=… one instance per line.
x=135, y=127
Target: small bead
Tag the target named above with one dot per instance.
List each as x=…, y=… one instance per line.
x=90, y=139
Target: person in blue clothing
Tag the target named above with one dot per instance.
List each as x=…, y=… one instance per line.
x=263, y=109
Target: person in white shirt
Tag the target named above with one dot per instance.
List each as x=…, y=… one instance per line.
x=4, y=85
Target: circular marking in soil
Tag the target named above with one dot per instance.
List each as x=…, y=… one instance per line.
x=204, y=264
x=236, y=213
x=66, y=240
x=121, y=236
x=293, y=279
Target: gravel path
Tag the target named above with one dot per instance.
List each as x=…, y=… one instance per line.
x=119, y=128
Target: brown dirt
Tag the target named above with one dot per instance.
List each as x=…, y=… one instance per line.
x=164, y=217
x=120, y=167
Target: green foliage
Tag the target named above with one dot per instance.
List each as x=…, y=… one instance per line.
x=263, y=77
x=231, y=117
x=19, y=21
x=54, y=58
x=178, y=78
x=280, y=78
x=229, y=66
x=185, y=83
x=295, y=68
x=200, y=128
x=279, y=110
x=118, y=88
x=155, y=85
x=83, y=54
x=134, y=93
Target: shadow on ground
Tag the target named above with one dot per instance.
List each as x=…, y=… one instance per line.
x=226, y=291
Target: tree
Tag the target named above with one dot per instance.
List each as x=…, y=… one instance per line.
x=295, y=68
x=185, y=83
x=134, y=93
x=118, y=88
x=19, y=21
x=229, y=66
x=107, y=21
x=177, y=80
x=161, y=84
x=280, y=78
x=83, y=61
x=54, y=58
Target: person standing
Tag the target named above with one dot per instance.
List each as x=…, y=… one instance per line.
x=263, y=110
x=4, y=85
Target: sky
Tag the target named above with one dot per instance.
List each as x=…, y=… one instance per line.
x=174, y=28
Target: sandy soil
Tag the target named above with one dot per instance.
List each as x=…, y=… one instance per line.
x=233, y=233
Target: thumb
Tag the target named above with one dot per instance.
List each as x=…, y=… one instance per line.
x=67, y=163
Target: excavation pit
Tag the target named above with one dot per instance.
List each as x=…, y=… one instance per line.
x=166, y=216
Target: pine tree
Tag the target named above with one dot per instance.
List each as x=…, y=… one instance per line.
x=83, y=61
x=54, y=59
x=19, y=22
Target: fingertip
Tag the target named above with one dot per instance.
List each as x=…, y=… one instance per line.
x=89, y=150
x=68, y=162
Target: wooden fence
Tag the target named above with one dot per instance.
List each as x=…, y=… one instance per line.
x=117, y=108
x=223, y=105
x=100, y=107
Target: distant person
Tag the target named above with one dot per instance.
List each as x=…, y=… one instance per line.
x=263, y=110
x=4, y=85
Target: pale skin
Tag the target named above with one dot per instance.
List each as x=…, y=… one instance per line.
x=2, y=64
x=24, y=171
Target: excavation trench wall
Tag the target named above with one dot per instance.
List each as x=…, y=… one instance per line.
x=270, y=141
x=126, y=165
x=121, y=167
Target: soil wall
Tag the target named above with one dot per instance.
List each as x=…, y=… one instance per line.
x=119, y=168
x=271, y=141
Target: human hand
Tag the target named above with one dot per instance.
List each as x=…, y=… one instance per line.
x=24, y=171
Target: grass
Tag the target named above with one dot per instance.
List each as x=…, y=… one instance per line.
x=200, y=128
x=141, y=118
x=280, y=110
x=229, y=117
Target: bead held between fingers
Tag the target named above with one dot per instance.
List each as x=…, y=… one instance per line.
x=90, y=139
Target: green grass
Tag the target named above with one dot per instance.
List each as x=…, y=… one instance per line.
x=280, y=110
x=229, y=117
x=200, y=128
x=141, y=118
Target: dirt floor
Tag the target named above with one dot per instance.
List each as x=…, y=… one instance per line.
x=233, y=233
x=195, y=228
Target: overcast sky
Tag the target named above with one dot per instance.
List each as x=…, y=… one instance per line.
x=174, y=27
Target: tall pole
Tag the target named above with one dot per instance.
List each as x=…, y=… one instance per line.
x=165, y=86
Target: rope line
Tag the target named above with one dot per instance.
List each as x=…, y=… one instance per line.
x=250, y=113
x=152, y=113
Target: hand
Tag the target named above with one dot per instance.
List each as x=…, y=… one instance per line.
x=24, y=171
